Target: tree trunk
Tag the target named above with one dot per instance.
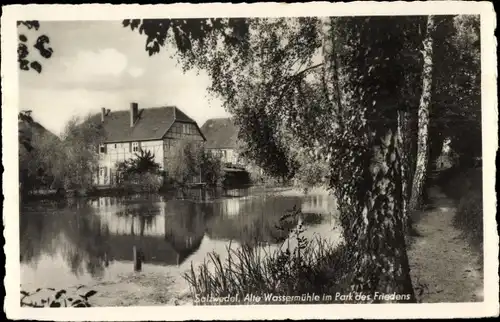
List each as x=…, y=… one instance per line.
x=404, y=151
x=331, y=78
x=368, y=168
x=423, y=119
x=383, y=266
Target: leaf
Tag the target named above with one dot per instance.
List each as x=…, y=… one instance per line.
x=58, y=294
x=23, y=38
x=90, y=293
x=40, y=46
x=36, y=66
x=55, y=304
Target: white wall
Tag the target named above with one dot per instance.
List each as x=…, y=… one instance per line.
x=118, y=152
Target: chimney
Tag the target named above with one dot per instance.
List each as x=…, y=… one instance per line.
x=134, y=111
x=103, y=113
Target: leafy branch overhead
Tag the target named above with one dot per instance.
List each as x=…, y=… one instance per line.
x=41, y=45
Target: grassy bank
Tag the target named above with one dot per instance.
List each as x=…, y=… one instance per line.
x=465, y=187
x=254, y=273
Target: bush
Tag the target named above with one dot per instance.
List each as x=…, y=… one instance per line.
x=465, y=186
x=144, y=182
x=211, y=169
x=312, y=266
x=189, y=163
x=140, y=173
x=469, y=218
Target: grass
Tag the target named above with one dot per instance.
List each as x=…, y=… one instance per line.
x=465, y=187
x=311, y=266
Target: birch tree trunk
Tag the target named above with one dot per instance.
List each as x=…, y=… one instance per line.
x=367, y=165
x=423, y=119
x=331, y=79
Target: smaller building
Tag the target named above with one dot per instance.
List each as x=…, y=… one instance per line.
x=222, y=139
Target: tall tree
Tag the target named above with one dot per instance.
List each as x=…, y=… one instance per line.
x=423, y=117
x=358, y=135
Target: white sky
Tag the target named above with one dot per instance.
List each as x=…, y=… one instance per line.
x=101, y=64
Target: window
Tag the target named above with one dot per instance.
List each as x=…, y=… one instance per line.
x=102, y=148
x=115, y=146
x=135, y=146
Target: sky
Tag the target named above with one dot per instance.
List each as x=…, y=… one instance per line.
x=102, y=64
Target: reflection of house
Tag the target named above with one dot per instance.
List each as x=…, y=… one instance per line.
x=166, y=235
x=222, y=136
x=150, y=129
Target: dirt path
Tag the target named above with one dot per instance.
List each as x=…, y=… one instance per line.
x=441, y=260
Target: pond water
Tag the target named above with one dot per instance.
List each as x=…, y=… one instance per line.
x=84, y=241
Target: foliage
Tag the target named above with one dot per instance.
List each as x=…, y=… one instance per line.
x=183, y=163
x=37, y=147
x=314, y=266
x=312, y=173
x=188, y=162
x=142, y=162
x=80, y=139
x=140, y=172
x=211, y=169
x=41, y=45
x=58, y=162
x=456, y=107
x=466, y=188
x=56, y=298
x=141, y=182
x=25, y=119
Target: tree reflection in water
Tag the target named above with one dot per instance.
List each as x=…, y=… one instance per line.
x=90, y=236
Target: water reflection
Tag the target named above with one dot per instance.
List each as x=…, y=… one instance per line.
x=83, y=240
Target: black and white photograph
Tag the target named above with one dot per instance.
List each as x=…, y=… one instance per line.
x=275, y=161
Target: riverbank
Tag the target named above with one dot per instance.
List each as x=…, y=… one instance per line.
x=444, y=266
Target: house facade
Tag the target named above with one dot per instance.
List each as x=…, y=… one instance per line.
x=222, y=139
x=155, y=129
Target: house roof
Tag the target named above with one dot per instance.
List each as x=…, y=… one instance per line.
x=152, y=123
x=221, y=133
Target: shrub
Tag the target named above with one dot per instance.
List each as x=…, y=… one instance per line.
x=465, y=187
x=211, y=169
x=189, y=163
x=140, y=173
x=469, y=218
x=145, y=182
